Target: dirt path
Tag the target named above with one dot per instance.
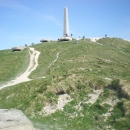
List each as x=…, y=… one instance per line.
x=57, y=56
x=34, y=55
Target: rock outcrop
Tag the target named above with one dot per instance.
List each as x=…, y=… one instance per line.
x=19, y=48
x=44, y=40
x=14, y=120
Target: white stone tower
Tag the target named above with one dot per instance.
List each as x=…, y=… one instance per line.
x=66, y=23
x=66, y=36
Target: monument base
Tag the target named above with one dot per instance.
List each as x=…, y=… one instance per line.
x=65, y=39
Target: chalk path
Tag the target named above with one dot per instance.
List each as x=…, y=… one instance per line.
x=57, y=56
x=34, y=55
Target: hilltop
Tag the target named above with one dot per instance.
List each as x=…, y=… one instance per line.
x=85, y=85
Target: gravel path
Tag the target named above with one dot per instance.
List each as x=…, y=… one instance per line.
x=34, y=55
x=57, y=56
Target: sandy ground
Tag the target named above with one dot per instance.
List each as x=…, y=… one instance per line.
x=34, y=55
x=94, y=39
x=62, y=101
x=94, y=96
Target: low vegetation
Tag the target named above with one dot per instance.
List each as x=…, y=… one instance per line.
x=84, y=71
x=12, y=64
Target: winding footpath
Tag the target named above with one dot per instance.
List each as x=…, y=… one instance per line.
x=57, y=56
x=34, y=55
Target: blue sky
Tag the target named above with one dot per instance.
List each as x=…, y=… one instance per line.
x=27, y=21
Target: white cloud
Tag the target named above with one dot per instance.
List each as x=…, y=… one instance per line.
x=13, y=4
x=51, y=18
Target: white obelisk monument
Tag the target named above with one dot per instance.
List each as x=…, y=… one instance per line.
x=66, y=23
x=66, y=36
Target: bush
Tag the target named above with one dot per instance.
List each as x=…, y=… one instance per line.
x=96, y=84
x=115, y=83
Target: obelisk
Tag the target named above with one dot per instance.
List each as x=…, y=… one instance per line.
x=66, y=23
x=66, y=36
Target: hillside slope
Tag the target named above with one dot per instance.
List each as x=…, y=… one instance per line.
x=24, y=76
x=87, y=86
x=12, y=64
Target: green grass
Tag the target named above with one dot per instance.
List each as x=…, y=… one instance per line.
x=106, y=60
x=119, y=119
x=79, y=69
x=12, y=64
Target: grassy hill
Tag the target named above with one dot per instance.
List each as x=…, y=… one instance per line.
x=12, y=64
x=79, y=70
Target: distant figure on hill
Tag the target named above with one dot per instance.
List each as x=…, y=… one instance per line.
x=76, y=41
x=83, y=37
x=32, y=44
x=58, y=40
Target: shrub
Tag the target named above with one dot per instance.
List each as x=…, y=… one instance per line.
x=96, y=84
x=115, y=83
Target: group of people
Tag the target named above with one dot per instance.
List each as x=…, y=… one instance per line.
x=82, y=37
x=76, y=40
